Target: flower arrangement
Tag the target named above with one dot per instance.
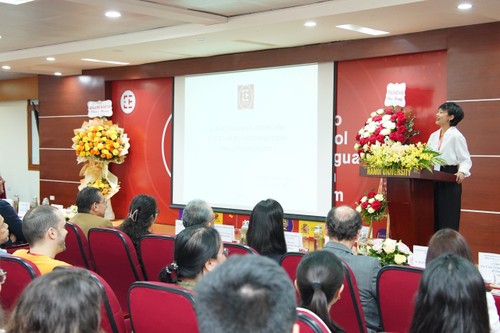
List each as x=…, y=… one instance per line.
x=104, y=186
x=70, y=212
x=100, y=140
x=372, y=206
x=389, y=251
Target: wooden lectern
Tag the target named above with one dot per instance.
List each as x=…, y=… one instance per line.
x=410, y=197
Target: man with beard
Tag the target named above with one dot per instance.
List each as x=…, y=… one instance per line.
x=44, y=229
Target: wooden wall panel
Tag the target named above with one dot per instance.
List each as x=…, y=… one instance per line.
x=481, y=231
x=481, y=191
x=59, y=165
x=58, y=131
x=64, y=193
x=19, y=89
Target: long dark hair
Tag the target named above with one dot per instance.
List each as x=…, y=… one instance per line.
x=265, y=230
x=142, y=213
x=193, y=247
x=451, y=298
x=320, y=275
x=448, y=240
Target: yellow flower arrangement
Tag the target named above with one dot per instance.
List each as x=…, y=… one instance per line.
x=103, y=185
x=100, y=140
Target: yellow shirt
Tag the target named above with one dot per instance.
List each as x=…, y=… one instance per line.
x=44, y=263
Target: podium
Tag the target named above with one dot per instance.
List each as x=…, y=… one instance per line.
x=410, y=196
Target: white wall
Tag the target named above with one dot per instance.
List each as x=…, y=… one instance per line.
x=14, y=152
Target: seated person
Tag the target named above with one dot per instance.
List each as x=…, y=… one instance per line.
x=265, y=229
x=246, y=294
x=450, y=241
x=66, y=300
x=4, y=234
x=10, y=217
x=44, y=228
x=320, y=281
x=91, y=207
x=197, y=212
x=343, y=226
x=197, y=251
x=451, y=298
x=141, y=216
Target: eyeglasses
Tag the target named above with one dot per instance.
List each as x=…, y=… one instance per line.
x=225, y=252
x=3, y=276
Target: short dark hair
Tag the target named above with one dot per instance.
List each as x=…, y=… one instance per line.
x=193, y=247
x=320, y=275
x=454, y=110
x=197, y=212
x=87, y=197
x=38, y=220
x=448, y=240
x=64, y=300
x=142, y=213
x=451, y=298
x=343, y=223
x=265, y=230
x=246, y=294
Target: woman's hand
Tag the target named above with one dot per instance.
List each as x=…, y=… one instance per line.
x=460, y=177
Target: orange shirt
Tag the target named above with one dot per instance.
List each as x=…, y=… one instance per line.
x=44, y=263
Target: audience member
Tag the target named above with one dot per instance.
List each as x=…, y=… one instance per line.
x=2, y=188
x=320, y=281
x=91, y=207
x=450, y=241
x=197, y=251
x=142, y=212
x=44, y=228
x=4, y=234
x=10, y=217
x=265, y=230
x=61, y=301
x=343, y=228
x=197, y=212
x=246, y=294
x=451, y=298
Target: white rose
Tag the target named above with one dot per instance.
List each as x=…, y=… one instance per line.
x=357, y=146
x=363, y=199
x=379, y=197
x=377, y=247
x=399, y=259
x=403, y=248
x=373, y=114
x=362, y=155
x=370, y=210
x=358, y=209
x=386, y=118
x=380, y=111
x=389, y=125
x=389, y=248
x=385, y=131
x=369, y=120
x=390, y=241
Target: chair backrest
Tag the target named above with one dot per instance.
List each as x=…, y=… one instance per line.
x=157, y=251
x=347, y=312
x=112, y=316
x=396, y=312
x=309, y=322
x=13, y=248
x=290, y=261
x=20, y=272
x=116, y=260
x=161, y=307
x=497, y=303
x=77, y=249
x=235, y=248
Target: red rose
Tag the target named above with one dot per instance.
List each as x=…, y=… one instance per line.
x=358, y=136
x=393, y=136
x=371, y=194
x=380, y=138
x=376, y=205
x=364, y=205
x=401, y=138
x=388, y=111
x=377, y=118
x=402, y=129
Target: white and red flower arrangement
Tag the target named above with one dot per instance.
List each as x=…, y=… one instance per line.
x=372, y=207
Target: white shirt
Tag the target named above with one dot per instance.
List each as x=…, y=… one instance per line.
x=492, y=313
x=453, y=149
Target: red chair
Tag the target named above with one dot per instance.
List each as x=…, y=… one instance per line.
x=77, y=249
x=235, y=248
x=161, y=307
x=13, y=248
x=290, y=261
x=347, y=312
x=116, y=260
x=20, y=272
x=309, y=322
x=112, y=317
x=157, y=251
x=497, y=302
x=396, y=312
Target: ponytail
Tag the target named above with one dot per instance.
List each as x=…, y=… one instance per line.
x=169, y=274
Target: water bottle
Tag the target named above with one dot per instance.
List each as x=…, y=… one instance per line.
x=16, y=203
x=243, y=232
x=318, y=238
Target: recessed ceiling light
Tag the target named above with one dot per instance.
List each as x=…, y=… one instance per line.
x=106, y=61
x=464, y=6
x=6, y=67
x=310, y=24
x=50, y=59
x=364, y=30
x=57, y=73
x=15, y=2
x=113, y=14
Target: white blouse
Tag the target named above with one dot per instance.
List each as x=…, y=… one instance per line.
x=453, y=149
x=492, y=313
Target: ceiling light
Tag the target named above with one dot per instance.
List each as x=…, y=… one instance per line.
x=364, y=30
x=57, y=73
x=15, y=2
x=6, y=67
x=50, y=59
x=464, y=6
x=310, y=24
x=106, y=61
x=113, y=14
